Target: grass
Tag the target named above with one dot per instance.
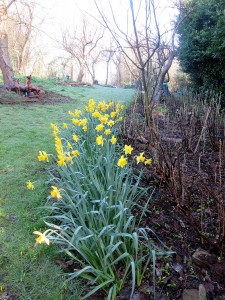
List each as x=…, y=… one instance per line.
x=31, y=271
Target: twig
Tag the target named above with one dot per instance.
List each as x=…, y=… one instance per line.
x=203, y=129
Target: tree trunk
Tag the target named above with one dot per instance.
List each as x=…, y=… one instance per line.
x=107, y=72
x=80, y=74
x=71, y=72
x=159, y=86
x=5, y=63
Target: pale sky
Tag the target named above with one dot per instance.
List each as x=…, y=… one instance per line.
x=66, y=15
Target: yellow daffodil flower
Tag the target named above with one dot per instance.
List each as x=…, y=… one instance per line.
x=107, y=132
x=30, y=185
x=77, y=113
x=83, y=122
x=103, y=120
x=75, y=153
x=120, y=119
x=59, y=148
x=148, y=161
x=43, y=156
x=75, y=138
x=69, y=146
x=113, y=140
x=96, y=114
x=65, y=125
x=102, y=106
x=76, y=122
x=113, y=114
x=91, y=106
x=99, y=140
x=99, y=127
x=62, y=159
x=111, y=123
x=128, y=149
x=55, y=129
x=85, y=128
x=122, y=162
x=140, y=158
x=41, y=238
x=55, y=193
x=70, y=113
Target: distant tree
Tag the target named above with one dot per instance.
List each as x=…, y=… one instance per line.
x=23, y=29
x=107, y=55
x=81, y=45
x=5, y=63
x=202, y=44
x=94, y=58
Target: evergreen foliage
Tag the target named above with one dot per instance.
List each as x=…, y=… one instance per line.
x=202, y=44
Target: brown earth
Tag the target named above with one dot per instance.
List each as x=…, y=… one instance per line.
x=50, y=98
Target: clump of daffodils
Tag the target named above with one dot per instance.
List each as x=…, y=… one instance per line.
x=93, y=131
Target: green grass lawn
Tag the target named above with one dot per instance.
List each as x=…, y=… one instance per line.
x=31, y=272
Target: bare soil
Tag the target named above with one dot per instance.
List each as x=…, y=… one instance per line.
x=50, y=98
x=187, y=208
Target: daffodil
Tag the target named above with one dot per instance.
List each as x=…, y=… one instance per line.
x=85, y=128
x=113, y=114
x=69, y=146
x=148, y=161
x=91, y=106
x=83, y=122
x=99, y=140
x=76, y=122
x=65, y=125
x=59, y=148
x=70, y=113
x=107, y=132
x=113, y=140
x=96, y=114
x=41, y=238
x=103, y=119
x=55, y=193
x=55, y=129
x=77, y=113
x=122, y=162
x=99, y=127
x=120, y=119
x=43, y=156
x=128, y=149
x=30, y=185
x=61, y=159
x=140, y=158
x=75, y=138
x=102, y=106
x=75, y=153
x=111, y=123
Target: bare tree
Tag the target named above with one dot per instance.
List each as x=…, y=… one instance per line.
x=5, y=63
x=24, y=25
x=107, y=57
x=81, y=45
x=142, y=45
x=117, y=60
x=94, y=58
x=143, y=40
